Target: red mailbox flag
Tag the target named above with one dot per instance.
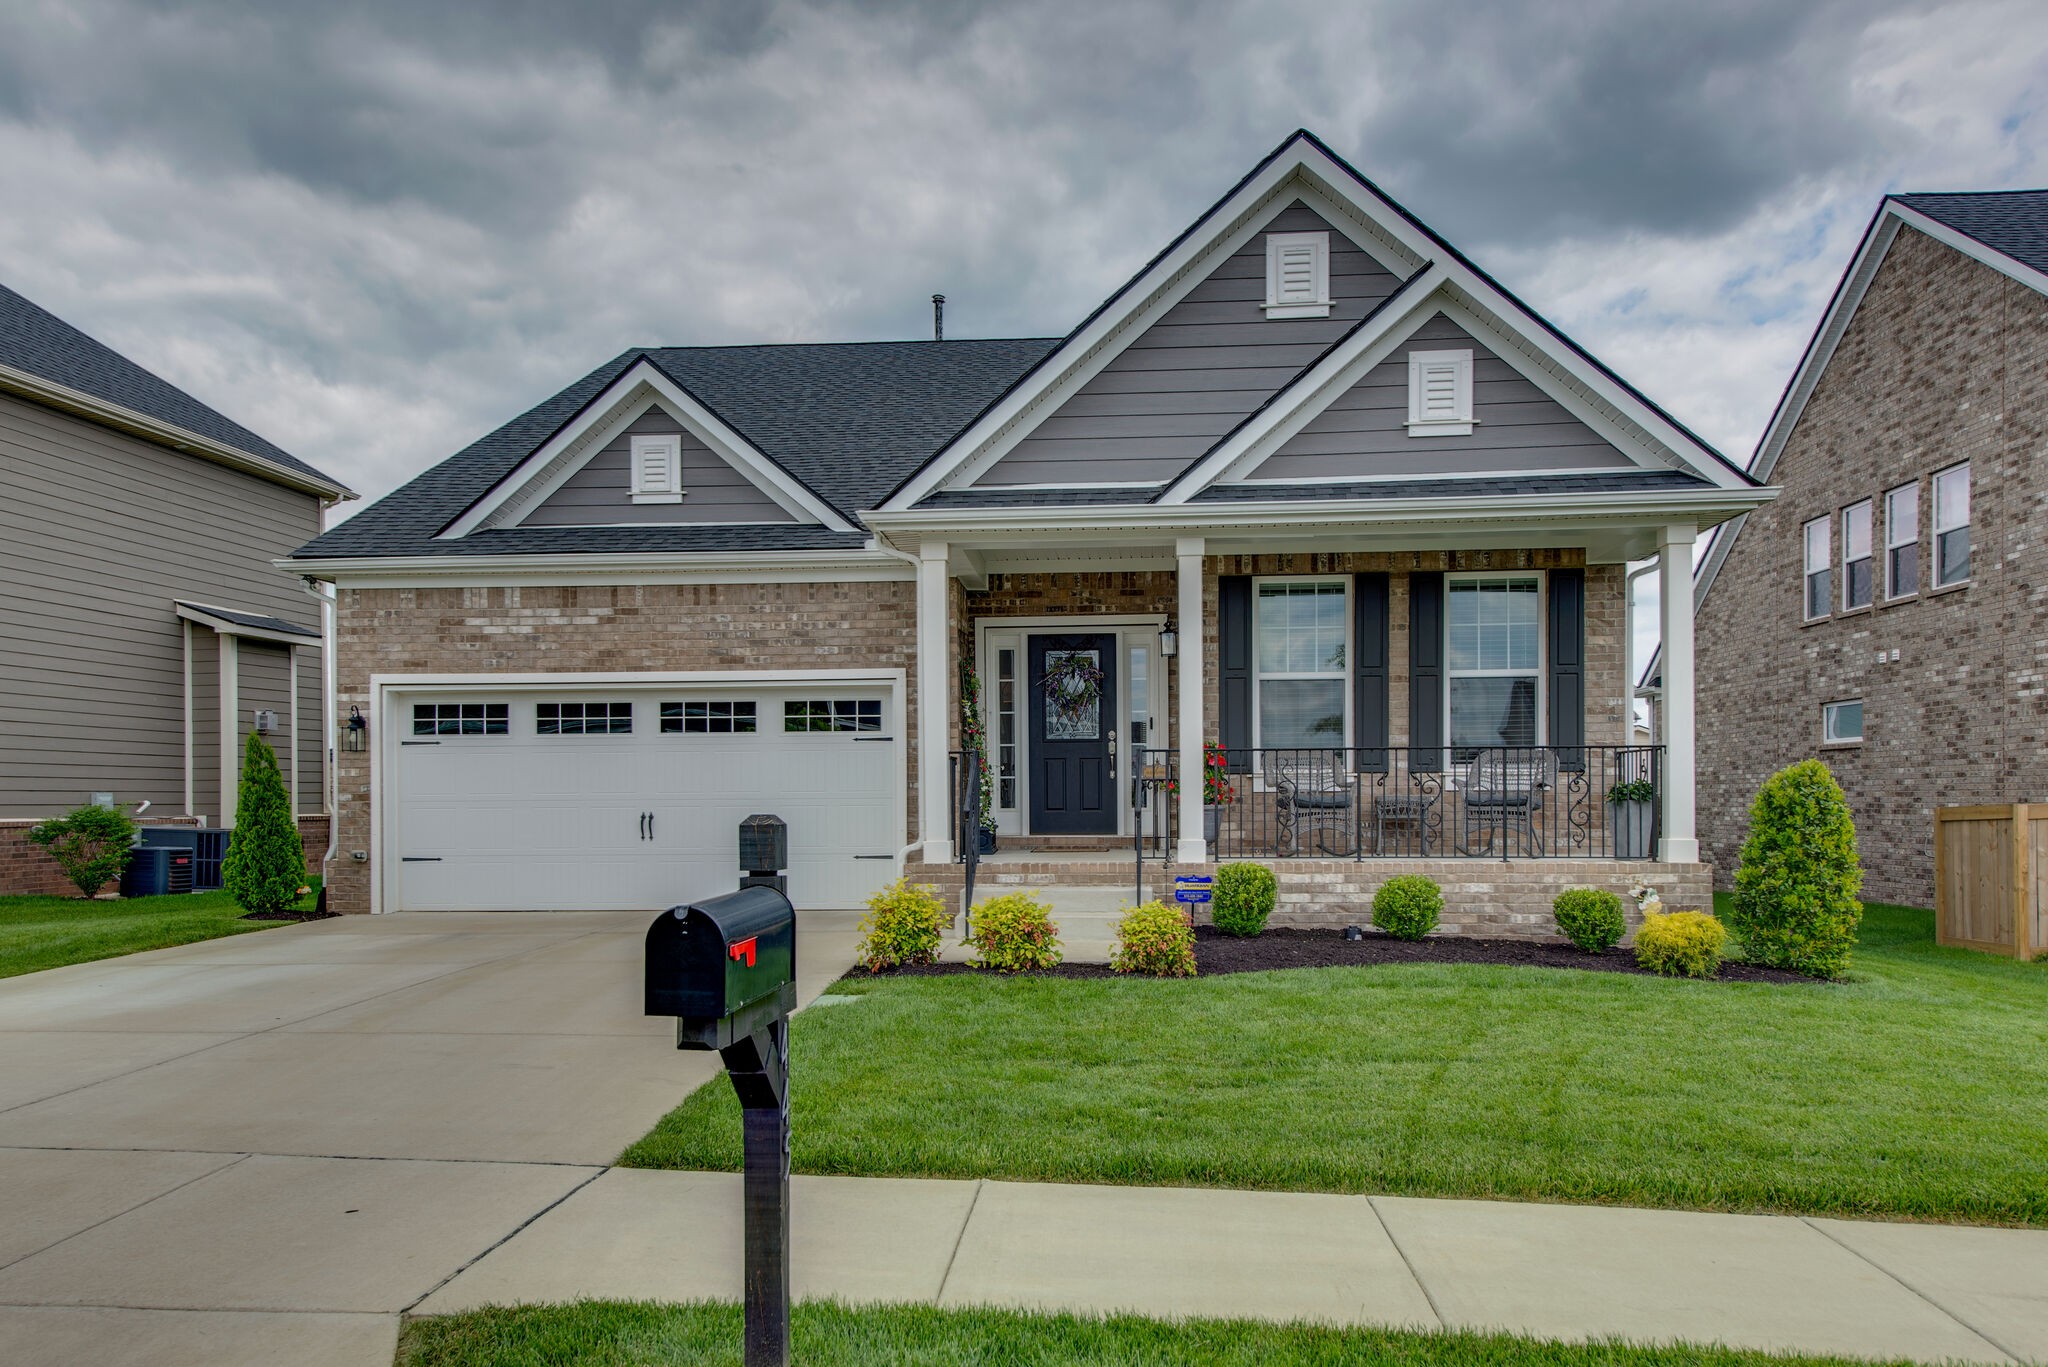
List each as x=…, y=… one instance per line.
x=744, y=949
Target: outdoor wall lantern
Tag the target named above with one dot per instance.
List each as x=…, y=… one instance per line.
x=1169, y=642
x=356, y=735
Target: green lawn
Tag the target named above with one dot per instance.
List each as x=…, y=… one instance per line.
x=1918, y=1089
x=614, y=1334
x=49, y=932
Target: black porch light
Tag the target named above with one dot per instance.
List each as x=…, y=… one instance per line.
x=1169, y=641
x=356, y=735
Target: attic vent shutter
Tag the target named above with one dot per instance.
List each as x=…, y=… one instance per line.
x=1439, y=393
x=1298, y=275
x=657, y=464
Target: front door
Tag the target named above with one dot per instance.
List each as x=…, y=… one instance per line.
x=1071, y=697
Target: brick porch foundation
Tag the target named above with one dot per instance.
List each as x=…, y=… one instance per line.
x=1481, y=897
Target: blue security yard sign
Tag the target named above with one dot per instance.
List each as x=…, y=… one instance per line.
x=1192, y=887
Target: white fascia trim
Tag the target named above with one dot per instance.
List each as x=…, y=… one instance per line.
x=1306, y=174
x=31, y=386
x=1449, y=476
x=1073, y=484
x=691, y=567
x=602, y=415
x=224, y=626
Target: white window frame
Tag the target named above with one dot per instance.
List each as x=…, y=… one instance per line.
x=1457, y=419
x=1894, y=543
x=1311, y=303
x=1825, y=567
x=1542, y=651
x=1850, y=558
x=666, y=483
x=1831, y=711
x=1951, y=525
x=1344, y=674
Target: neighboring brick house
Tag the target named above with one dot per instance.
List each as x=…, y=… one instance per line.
x=1887, y=613
x=1311, y=486
x=145, y=627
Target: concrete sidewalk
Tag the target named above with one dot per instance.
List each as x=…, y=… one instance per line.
x=1929, y=1292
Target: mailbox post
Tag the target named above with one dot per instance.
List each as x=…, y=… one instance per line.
x=725, y=968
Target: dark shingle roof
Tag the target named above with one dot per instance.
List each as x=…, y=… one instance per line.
x=1621, y=481
x=848, y=419
x=262, y=621
x=37, y=341
x=2014, y=222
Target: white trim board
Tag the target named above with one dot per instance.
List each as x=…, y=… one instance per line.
x=1300, y=169
x=602, y=421
x=681, y=567
x=386, y=690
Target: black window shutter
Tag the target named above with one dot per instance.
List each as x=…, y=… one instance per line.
x=1234, y=669
x=1568, y=668
x=1426, y=669
x=1369, y=673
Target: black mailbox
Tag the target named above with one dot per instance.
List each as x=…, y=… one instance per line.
x=724, y=967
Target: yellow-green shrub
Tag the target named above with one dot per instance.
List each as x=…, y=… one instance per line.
x=1156, y=939
x=1681, y=944
x=1590, y=918
x=904, y=925
x=1798, y=875
x=1014, y=932
x=1407, y=906
x=1244, y=898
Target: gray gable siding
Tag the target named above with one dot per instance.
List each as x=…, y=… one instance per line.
x=1362, y=434
x=600, y=494
x=1197, y=372
x=104, y=532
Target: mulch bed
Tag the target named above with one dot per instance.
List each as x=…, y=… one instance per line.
x=294, y=916
x=1217, y=953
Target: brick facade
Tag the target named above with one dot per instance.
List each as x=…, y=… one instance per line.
x=1943, y=362
x=601, y=629
x=29, y=869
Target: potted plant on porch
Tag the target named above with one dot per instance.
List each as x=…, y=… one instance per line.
x=974, y=740
x=1631, y=815
x=1218, y=791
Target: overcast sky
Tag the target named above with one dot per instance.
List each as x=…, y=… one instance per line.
x=372, y=232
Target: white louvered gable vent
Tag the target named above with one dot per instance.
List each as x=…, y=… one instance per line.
x=1297, y=275
x=657, y=469
x=1439, y=393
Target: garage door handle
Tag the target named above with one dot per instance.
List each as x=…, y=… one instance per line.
x=885, y=740
x=874, y=856
x=419, y=859
x=650, y=825
x=419, y=742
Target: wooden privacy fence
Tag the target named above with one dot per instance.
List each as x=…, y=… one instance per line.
x=1989, y=867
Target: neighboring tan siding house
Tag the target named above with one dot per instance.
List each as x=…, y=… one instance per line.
x=1887, y=613
x=141, y=529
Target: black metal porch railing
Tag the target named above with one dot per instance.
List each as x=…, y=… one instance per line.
x=1491, y=802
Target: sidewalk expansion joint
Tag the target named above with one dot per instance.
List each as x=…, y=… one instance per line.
x=1409, y=1263
x=201, y=1177
x=1889, y=1275
x=508, y=1237
x=939, y=1298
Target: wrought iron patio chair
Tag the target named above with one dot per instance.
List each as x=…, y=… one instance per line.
x=1312, y=799
x=1501, y=794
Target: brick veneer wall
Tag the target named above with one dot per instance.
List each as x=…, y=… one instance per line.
x=602, y=629
x=1943, y=362
x=29, y=869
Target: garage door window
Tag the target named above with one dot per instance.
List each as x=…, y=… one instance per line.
x=460, y=718
x=583, y=718
x=707, y=718
x=833, y=714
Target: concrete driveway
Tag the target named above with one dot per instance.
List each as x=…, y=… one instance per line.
x=262, y=1150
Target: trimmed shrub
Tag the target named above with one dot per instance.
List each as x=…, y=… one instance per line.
x=1408, y=906
x=1156, y=939
x=1244, y=898
x=89, y=843
x=1797, y=877
x=904, y=925
x=1014, y=932
x=1590, y=918
x=1680, y=944
x=265, y=867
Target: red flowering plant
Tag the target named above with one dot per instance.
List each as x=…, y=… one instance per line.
x=1217, y=789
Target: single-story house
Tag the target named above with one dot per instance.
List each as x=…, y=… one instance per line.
x=1311, y=487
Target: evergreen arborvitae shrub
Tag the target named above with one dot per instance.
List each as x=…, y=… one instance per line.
x=1796, y=880
x=1243, y=898
x=265, y=868
x=1590, y=918
x=1408, y=906
x=89, y=843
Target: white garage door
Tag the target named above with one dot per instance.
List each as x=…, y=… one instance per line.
x=597, y=800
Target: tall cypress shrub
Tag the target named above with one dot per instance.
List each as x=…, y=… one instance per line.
x=265, y=865
x=1798, y=875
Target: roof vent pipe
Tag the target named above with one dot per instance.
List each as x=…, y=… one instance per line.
x=938, y=318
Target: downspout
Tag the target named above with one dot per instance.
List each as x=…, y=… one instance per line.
x=877, y=544
x=329, y=760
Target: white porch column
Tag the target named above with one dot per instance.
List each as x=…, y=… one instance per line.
x=934, y=821
x=1674, y=564
x=1191, y=848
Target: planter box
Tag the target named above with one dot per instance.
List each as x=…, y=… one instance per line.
x=1632, y=825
